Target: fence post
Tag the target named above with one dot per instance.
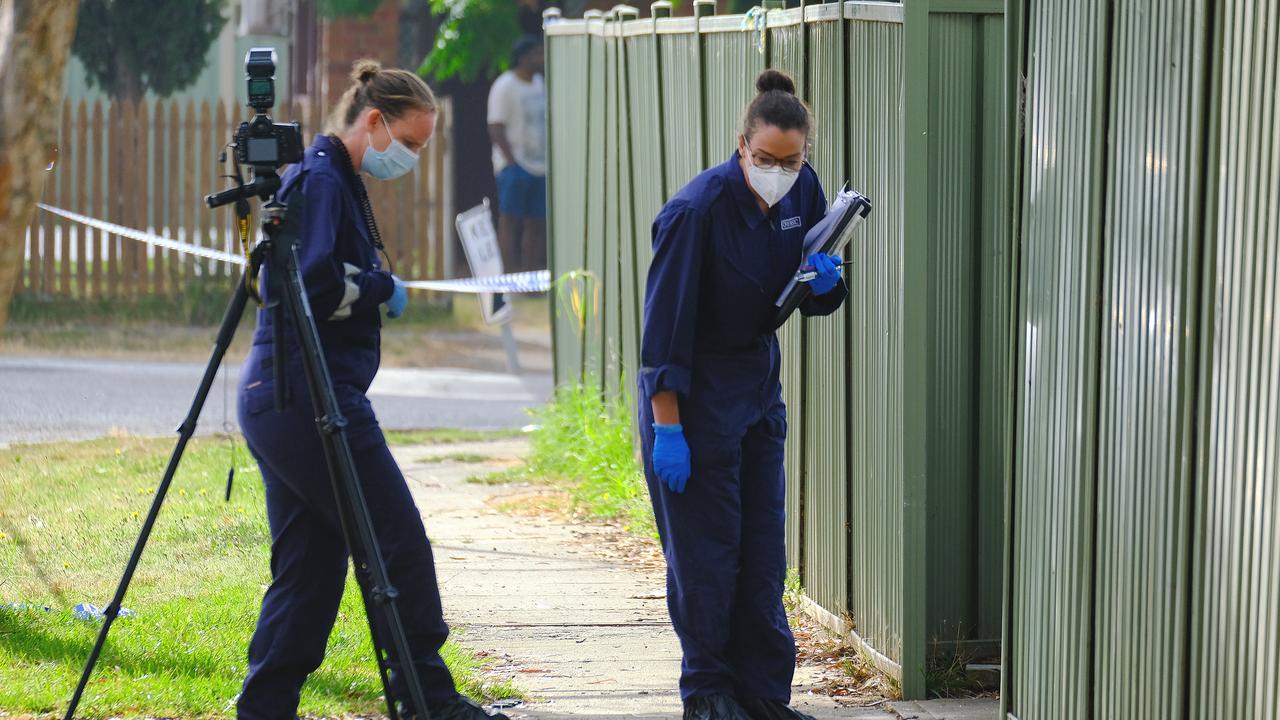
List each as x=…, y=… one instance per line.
x=549, y=17
x=63, y=169
x=660, y=9
x=590, y=16
x=111, y=198
x=96, y=238
x=915, y=352
x=192, y=137
x=139, y=198
x=702, y=8
x=161, y=191
x=626, y=226
x=223, y=215
x=173, y=190
x=82, y=168
x=127, y=191
x=1014, y=63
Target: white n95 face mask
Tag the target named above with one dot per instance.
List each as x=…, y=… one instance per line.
x=391, y=163
x=773, y=184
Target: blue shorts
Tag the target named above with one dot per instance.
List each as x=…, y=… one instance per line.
x=521, y=194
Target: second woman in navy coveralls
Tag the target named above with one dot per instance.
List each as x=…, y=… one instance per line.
x=383, y=120
x=713, y=423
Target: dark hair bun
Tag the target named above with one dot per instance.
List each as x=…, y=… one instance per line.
x=364, y=70
x=775, y=80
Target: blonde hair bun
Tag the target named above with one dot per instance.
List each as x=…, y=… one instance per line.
x=364, y=70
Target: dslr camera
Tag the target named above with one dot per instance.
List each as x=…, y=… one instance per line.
x=260, y=142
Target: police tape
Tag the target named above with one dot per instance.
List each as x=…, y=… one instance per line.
x=537, y=281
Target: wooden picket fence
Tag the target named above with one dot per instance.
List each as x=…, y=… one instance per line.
x=149, y=165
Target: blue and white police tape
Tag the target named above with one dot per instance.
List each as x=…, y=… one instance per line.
x=513, y=283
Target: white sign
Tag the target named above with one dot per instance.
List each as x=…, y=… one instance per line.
x=480, y=243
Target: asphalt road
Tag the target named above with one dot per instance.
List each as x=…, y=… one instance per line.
x=46, y=398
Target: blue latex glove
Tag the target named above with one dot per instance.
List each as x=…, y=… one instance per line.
x=399, y=298
x=828, y=273
x=671, y=456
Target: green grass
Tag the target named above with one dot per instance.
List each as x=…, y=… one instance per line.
x=583, y=441
x=509, y=476
x=69, y=515
x=947, y=676
x=201, y=302
x=448, y=437
x=463, y=458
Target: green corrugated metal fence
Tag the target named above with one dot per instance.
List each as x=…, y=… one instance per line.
x=897, y=545
x=1143, y=580
x=875, y=441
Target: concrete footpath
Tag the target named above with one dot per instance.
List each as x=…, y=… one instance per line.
x=582, y=628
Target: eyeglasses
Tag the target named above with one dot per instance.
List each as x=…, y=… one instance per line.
x=768, y=162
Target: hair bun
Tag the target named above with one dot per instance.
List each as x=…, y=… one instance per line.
x=362, y=71
x=775, y=80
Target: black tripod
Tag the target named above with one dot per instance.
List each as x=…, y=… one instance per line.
x=288, y=303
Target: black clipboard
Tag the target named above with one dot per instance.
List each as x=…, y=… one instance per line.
x=853, y=207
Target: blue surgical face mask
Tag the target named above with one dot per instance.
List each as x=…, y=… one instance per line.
x=391, y=163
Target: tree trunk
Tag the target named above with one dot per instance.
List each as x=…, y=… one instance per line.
x=35, y=38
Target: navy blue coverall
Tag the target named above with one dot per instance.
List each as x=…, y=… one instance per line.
x=719, y=263
x=345, y=287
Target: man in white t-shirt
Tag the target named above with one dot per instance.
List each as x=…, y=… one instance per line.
x=518, y=129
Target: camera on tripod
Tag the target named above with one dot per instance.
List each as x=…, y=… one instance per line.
x=261, y=142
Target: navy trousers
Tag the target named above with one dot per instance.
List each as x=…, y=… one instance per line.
x=724, y=537
x=309, y=555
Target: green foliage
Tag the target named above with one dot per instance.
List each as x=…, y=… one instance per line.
x=793, y=593
x=69, y=514
x=586, y=441
x=129, y=47
x=348, y=8
x=474, y=40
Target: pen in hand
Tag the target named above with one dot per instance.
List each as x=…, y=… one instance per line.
x=807, y=273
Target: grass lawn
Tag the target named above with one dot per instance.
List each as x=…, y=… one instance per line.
x=182, y=328
x=69, y=515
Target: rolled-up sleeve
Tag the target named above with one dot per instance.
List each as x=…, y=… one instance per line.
x=671, y=301
x=334, y=288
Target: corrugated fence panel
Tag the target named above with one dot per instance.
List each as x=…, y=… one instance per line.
x=680, y=88
x=627, y=326
x=730, y=63
x=993, y=339
x=1148, y=360
x=954, y=123
x=642, y=61
x=1058, y=374
x=614, y=197
x=785, y=53
x=1236, y=610
x=969, y=246
x=875, y=313
x=646, y=180
x=597, y=199
x=826, y=383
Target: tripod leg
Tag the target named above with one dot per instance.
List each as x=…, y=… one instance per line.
x=353, y=512
x=230, y=320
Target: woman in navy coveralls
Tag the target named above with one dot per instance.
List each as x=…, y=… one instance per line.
x=712, y=419
x=381, y=123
